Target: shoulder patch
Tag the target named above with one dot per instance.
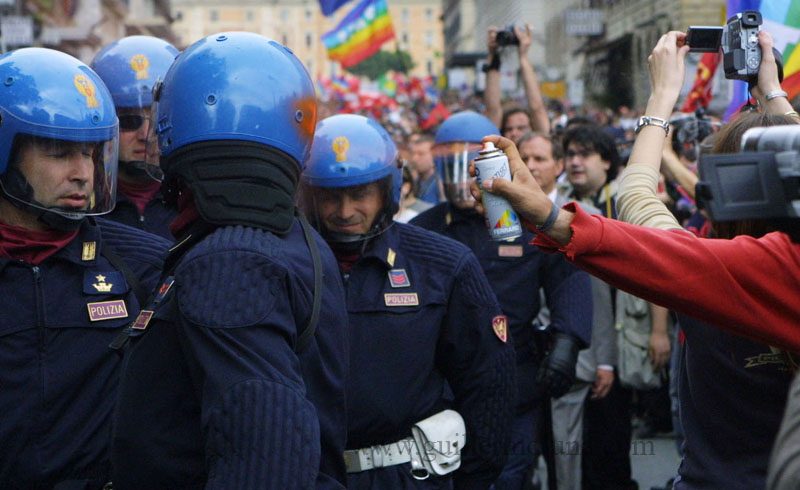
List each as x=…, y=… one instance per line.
x=227, y=289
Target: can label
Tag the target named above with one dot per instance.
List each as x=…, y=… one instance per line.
x=501, y=220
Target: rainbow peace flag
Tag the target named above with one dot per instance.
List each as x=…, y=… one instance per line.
x=782, y=20
x=360, y=34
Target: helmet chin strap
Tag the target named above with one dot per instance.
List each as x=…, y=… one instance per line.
x=356, y=243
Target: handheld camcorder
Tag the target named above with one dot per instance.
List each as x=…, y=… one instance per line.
x=741, y=53
x=760, y=182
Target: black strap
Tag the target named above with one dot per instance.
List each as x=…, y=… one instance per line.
x=308, y=333
x=138, y=290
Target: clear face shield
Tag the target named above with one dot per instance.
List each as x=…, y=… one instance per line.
x=72, y=177
x=347, y=216
x=452, y=162
x=138, y=128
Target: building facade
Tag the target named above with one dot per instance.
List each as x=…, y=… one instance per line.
x=299, y=24
x=82, y=28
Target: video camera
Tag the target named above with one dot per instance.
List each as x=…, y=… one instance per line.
x=741, y=53
x=689, y=129
x=760, y=182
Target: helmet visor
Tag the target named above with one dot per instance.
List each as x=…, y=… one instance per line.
x=452, y=161
x=74, y=177
x=152, y=157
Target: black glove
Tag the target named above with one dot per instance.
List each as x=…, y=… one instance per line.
x=557, y=372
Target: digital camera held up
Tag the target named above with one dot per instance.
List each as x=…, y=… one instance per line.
x=507, y=37
x=741, y=53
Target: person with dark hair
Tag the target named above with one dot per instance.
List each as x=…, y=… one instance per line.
x=431, y=385
x=70, y=283
x=234, y=373
x=592, y=163
x=515, y=121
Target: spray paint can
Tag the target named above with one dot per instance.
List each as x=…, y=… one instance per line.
x=501, y=220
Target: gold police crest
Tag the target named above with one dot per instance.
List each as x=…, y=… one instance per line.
x=340, y=146
x=87, y=89
x=140, y=64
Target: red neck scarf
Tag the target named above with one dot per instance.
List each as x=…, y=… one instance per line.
x=139, y=193
x=187, y=214
x=32, y=246
x=346, y=261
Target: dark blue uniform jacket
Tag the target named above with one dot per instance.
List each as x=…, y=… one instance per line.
x=732, y=393
x=58, y=377
x=516, y=270
x=156, y=219
x=213, y=393
x=414, y=360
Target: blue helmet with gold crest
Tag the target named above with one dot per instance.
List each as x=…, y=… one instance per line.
x=234, y=121
x=131, y=66
x=55, y=109
x=351, y=151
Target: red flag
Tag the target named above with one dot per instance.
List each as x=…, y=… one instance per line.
x=700, y=94
x=438, y=114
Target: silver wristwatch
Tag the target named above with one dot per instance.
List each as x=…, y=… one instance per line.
x=651, y=121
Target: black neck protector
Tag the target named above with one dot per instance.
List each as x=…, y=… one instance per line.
x=236, y=183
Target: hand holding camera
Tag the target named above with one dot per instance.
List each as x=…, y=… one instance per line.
x=741, y=42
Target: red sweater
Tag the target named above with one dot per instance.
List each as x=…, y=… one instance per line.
x=746, y=286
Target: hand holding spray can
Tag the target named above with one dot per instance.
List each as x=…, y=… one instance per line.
x=501, y=220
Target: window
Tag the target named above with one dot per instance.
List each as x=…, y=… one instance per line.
x=284, y=39
x=284, y=15
x=428, y=15
x=309, y=65
x=214, y=15
x=404, y=37
x=429, y=65
x=178, y=15
x=428, y=39
x=308, y=15
x=249, y=15
x=404, y=16
x=308, y=39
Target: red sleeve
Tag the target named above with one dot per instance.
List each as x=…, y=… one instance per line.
x=746, y=286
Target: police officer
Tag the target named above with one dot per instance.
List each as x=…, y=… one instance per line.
x=433, y=356
x=130, y=68
x=234, y=375
x=516, y=271
x=68, y=284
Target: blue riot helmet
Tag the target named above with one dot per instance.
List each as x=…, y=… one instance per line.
x=58, y=137
x=130, y=68
x=349, y=152
x=456, y=143
x=235, y=119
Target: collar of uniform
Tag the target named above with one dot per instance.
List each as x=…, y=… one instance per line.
x=379, y=249
x=73, y=252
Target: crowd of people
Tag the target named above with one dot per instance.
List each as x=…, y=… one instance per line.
x=215, y=280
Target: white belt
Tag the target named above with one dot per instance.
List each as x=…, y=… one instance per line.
x=368, y=458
